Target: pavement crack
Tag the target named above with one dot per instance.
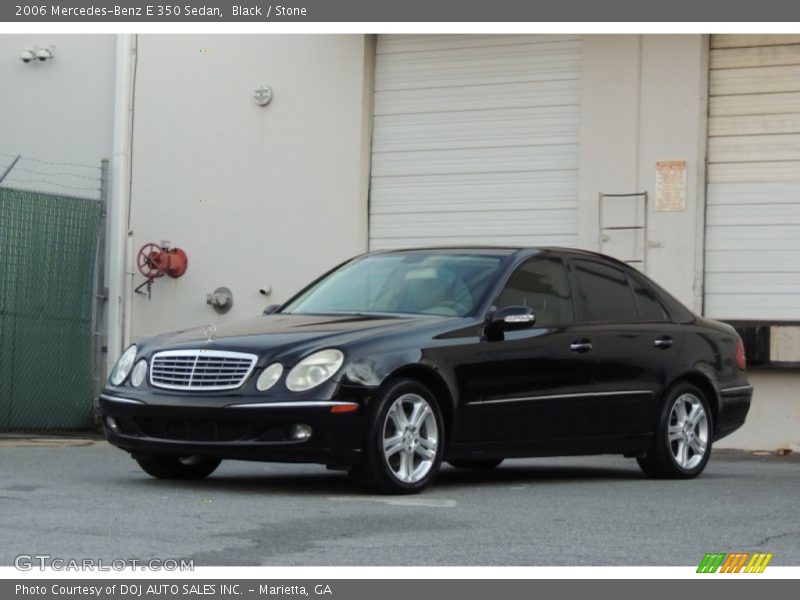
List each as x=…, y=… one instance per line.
x=770, y=538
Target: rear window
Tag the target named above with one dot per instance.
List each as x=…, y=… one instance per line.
x=603, y=293
x=650, y=309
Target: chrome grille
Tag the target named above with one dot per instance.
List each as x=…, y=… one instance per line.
x=200, y=370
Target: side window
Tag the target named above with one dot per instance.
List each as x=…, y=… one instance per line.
x=603, y=293
x=541, y=284
x=650, y=309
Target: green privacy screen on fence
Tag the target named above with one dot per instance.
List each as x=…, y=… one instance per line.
x=48, y=248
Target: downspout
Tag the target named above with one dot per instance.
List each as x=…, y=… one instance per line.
x=118, y=305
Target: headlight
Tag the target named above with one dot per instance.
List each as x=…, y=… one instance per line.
x=138, y=373
x=269, y=377
x=314, y=369
x=123, y=366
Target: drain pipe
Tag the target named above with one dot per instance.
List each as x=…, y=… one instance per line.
x=118, y=222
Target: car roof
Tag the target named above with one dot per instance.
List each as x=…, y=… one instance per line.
x=444, y=249
x=500, y=250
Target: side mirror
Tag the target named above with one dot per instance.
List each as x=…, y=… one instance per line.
x=271, y=309
x=511, y=318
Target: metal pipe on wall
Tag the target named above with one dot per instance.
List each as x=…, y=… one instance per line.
x=118, y=305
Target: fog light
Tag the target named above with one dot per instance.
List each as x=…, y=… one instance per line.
x=301, y=432
x=111, y=423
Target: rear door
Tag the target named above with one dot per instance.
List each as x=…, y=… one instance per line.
x=634, y=342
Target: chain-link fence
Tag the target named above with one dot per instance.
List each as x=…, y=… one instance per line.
x=48, y=251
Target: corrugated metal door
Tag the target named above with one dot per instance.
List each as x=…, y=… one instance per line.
x=753, y=215
x=475, y=140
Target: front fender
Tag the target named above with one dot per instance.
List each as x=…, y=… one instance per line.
x=372, y=371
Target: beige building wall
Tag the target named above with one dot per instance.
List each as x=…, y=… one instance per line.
x=61, y=110
x=256, y=196
x=774, y=419
x=645, y=100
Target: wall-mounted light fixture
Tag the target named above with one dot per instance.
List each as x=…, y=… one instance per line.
x=262, y=95
x=38, y=54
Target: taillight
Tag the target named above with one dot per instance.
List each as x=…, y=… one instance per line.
x=741, y=360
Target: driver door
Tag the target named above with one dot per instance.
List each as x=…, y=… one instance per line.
x=536, y=379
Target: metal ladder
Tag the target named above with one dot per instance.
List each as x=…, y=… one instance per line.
x=636, y=255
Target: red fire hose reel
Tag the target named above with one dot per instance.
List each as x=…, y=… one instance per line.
x=154, y=261
x=157, y=260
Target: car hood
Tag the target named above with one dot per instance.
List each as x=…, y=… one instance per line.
x=268, y=335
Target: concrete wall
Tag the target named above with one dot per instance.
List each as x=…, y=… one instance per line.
x=61, y=110
x=255, y=195
x=774, y=418
x=645, y=100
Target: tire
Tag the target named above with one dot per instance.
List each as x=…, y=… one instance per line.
x=687, y=453
x=485, y=463
x=403, y=440
x=173, y=467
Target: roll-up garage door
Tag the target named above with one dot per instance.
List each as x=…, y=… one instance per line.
x=753, y=198
x=475, y=140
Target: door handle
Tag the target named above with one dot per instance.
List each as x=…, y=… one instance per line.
x=581, y=346
x=663, y=342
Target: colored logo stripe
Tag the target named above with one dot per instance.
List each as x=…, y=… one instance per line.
x=758, y=563
x=711, y=562
x=734, y=562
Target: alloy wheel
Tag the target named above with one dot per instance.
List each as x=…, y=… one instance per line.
x=687, y=431
x=410, y=438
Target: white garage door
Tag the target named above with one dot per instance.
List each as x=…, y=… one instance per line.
x=753, y=215
x=475, y=140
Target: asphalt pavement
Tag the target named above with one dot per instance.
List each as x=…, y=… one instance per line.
x=77, y=498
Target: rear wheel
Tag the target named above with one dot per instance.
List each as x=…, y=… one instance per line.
x=466, y=463
x=684, y=435
x=174, y=467
x=404, y=440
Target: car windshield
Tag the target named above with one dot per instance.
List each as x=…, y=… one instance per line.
x=427, y=283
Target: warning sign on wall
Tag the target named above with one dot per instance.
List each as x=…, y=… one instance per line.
x=671, y=185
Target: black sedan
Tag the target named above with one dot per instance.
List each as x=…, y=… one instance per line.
x=395, y=361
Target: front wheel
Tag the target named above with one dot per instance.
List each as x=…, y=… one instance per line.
x=683, y=437
x=174, y=467
x=404, y=440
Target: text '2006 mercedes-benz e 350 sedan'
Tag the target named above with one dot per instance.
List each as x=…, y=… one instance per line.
x=396, y=361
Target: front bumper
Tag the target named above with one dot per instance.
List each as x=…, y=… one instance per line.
x=242, y=430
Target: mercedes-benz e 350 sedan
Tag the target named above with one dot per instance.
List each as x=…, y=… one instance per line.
x=396, y=361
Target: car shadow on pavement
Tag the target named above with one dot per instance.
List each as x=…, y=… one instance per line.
x=323, y=483
x=523, y=474
x=326, y=483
